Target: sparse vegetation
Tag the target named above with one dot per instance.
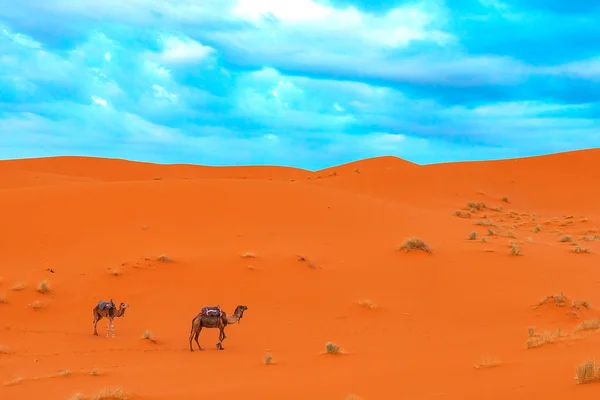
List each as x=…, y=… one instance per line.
x=488, y=222
x=268, y=359
x=111, y=394
x=515, y=250
x=43, y=287
x=163, y=258
x=536, y=228
x=367, y=303
x=491, y=232
x=147, y=335
x=579, y=249
x=565, y=239
x=472, y=235
x=558, y=299
x=247, y=254
x=95, y=372
x=64, y=372
x=37, y=305
x=531, y=331
x=487, y=363
x=332, y=348
x=542, y=339
x=18, y=286
x=505, y=199
x=414, y=243
x=589, y=324
x=576, y=304
x=511, y=234
x=462, y=214
x=484, y=239
x=476, y=205
x=590, y=238
x=587, y=372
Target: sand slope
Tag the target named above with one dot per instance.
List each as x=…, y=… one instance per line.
x=101, y=224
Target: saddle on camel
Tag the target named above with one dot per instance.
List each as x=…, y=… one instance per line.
x=212, y=311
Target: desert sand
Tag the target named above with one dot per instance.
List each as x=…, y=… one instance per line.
x=317, y=258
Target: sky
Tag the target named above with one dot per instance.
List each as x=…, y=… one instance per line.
x=302, y=83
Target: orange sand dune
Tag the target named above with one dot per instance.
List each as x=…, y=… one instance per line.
x=314, y=256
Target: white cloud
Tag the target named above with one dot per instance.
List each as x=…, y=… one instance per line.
x=99, y=101
x=183, y=51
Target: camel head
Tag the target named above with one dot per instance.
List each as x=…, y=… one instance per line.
x=123, y=305
x=239, y=312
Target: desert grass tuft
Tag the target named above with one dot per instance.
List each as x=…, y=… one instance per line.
x=37, y=305
x=473, y=236
x=558, y=299
x=531, y=331
x=579, y=249
x=17, y=287
x=515, y=250
x=147, y=335
x=248, y=254
x=577, y=304
x=64, y=372
x=476, y=205
x=462, y=214
x=546, y=337
x=367, y=304
x=488, y=222
x=414, y=243
x=487, y=362
x=505, y=199
x=111, y=394
x=95, y=372
x=43, y=287
x=590, y=238
x=565, y=239
x=587, y=325
x=163, y=258
x=268, y=359
x=536, y=228
x=332, y=348
x=587, y=372
x=484, y=239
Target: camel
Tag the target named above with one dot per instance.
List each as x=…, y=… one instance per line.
x=106, y=309
x=214, y=317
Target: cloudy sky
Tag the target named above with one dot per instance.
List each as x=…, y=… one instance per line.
x=306, y=83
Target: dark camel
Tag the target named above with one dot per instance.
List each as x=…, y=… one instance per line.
x=214, y=317
x=107, y=309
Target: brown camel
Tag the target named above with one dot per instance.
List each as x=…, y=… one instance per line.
x=214, y=317
x=107, y=309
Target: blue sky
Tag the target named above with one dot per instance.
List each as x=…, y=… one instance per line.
x=305, y=83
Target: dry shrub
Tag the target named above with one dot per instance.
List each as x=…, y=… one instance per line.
x=536, y=228
x=95, y=372
x=415, y=243
x=18, y=286
x=332, y=348
x=367, y=303
x=587, y=372
x=577, y=304
x=64, y=372
x=268, y=359
x=147, y=335
x=248, y=254
x=163, y=258
x=565, y=239
x=488, y=222
x=579, y=249
x=558, y=299
x=515, y=250
x=487, y=362
x=37, y=305
x=476, y=205
x=472, y=235
x=111, y=394
x=462, y=214
x=590, y=238
x=546, y=337
x=43, y=287
x=589, y=324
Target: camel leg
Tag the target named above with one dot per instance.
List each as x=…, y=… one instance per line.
x=221, y=338
x=96, y=319
x=196, y=338
x=109, y=327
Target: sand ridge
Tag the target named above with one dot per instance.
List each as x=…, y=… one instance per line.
x=317, y=258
